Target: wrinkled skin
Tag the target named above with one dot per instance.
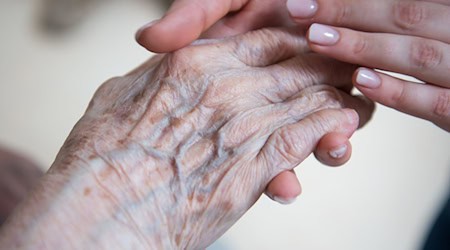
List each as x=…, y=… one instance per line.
x=174, y=153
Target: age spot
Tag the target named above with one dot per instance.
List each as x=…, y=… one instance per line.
x=200, y=198
x=87, y=191
x=205, y=179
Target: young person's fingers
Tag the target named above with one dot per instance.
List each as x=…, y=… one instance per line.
x=254, y=15
x=425, y=59
x=418, y=18
x=422, y=100
x=185, y=21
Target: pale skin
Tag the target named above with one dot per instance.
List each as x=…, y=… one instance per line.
x=172, y=154
x=403, y=36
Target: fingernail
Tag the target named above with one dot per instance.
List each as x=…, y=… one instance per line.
x=322, y=34
x=139, y=32
x=302, y=8
x=338, y=152
x=284, y=201
x=352, y=116
x=368, y=78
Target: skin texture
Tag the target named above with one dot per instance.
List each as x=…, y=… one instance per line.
x=172, y=154
x=224, y=18
x=409, y=37
x=406, y=36
x=210, y=19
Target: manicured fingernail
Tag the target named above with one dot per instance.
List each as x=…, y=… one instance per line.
x=302, y=8
x=139, y=32
x=284, y=201
x=323, y=34
x=338, y=152
x=368, y=78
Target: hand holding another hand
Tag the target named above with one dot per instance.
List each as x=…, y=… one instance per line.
x=174, y=153
x=188, y=20
x=409, y=37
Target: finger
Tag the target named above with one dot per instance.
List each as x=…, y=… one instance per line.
x=290, y=145
x=425, y=59
x=264, y=47
x=284, y=188
x=254, y=15
x=291, y=76
x=263, y=121
x=183, y=23
x=333, y=149
x=425, y=101
x=418, y=18
x=362, y=105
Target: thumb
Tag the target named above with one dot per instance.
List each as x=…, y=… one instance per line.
x=184, y=22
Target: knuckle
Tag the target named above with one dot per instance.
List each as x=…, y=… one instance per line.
x=286, y=146
x=183, y=56
x=344, y=13
x=398, y=97
x=441, y=105
x=249, y=49
x=186, y=62
x=360, y=46
x=108, y=85
x=424, y=55
x=106, y=91
x=409, y=15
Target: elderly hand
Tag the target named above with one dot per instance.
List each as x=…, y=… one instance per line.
x=187, y=20
x=409, y=37
x=171, y=155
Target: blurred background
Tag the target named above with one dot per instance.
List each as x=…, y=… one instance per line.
x=55, y=53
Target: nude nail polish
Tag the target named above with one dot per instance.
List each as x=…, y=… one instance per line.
x=368, y=78
x=323, y=34
x=302, y=8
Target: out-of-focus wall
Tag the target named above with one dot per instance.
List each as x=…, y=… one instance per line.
x=384, y=198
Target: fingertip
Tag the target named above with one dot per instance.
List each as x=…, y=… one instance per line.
x=353, y=120
x=159, y=37
x=169, y=33
x=366, y=78
x=333, y=149
x=359, y=111
x=145, y=27
x=284, y=188
x=151, y=39
x=300, y=10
